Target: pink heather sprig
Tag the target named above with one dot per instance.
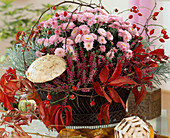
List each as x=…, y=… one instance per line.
x=57, y=81
x=91, y=75
x=80, y=68
x=63, y=77
x=78, y=84
x=61, y=88
x=83, y=77
x=82, y=55
x=70, y=76
x=145, y=71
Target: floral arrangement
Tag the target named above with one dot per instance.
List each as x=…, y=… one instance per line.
x=103, y=52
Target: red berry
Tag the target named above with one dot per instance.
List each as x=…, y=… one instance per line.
x=56, y=14
x=36, y=23
x=154, y=18
x=138, y=28
x=48, y=32
x=43, y=49
x=54, y=8
x=152, y=31
x=49, y=97
x=140, y=14
x=161, y=40
x=116, y=10
x=39, y=27
x=72, y=97
x=102, y=7
x=92, y=103
x=165, y=36
x=80, y=32
x=131, y=10
x=47, y=102
x=134, y=25
x=140, y=38
x=161, y=8
x=74, y=88
x=134, y=7
x=135, y=10
x=163, y=31
x=130, y=16
x=65, y=13
x=155, y=13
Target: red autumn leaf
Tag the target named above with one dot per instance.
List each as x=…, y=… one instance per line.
x=147, y=78
x=104, y=113
x=141, y=57
x=116, y=72
x=32, y=33
x=2, y=130
x=158, y=52
x=59, y=123
x=139, y=96
x=115, y=96
x=28, y=84
x=97, y=88
x=104, y=74
x=153, y=64
x=7, y=103
x=122, y=81
x=68, y=115
x=100, y=91
x=1, y=96
x=135, y=92
x=142, y=94
x=138, y=73
x=45, y=113
x=140, y=51
x=20, y=33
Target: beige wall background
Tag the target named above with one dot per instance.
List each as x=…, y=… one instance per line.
x=108, y=4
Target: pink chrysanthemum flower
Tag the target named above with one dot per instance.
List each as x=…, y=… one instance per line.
x=88, y=45
x=57, y=32
x=46, y=42
x=102, y=40
x=39, y=54
x=102, y=48
x=78, y=38
x=75, y=32
x=102, y=32
x=69, y=49
x=123, y=46
x=109, y=36
x=129, y=54
x=85, y=29
x=110, y=54
x=88, y=38
x=59, y=52
x=40, y=41
x=53, y=39
x=75, y=56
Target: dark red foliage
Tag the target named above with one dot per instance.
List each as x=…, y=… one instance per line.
x=104, y=113
x=52, y=115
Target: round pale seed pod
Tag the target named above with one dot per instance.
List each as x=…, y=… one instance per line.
x=46, y=68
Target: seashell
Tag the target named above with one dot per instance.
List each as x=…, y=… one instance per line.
x=46, y=68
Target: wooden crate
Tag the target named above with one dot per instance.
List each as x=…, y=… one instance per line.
x=149, y=108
